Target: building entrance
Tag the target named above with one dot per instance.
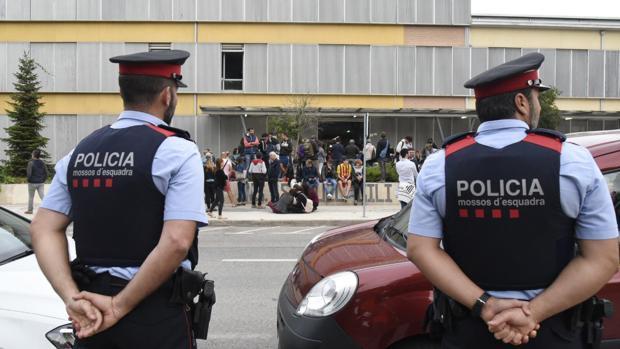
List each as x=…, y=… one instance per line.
x=346, y=130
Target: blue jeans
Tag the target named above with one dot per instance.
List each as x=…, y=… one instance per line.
x=329, y=186
x=241, y=196
x=248, y=158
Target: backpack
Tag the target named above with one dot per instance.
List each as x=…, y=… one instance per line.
x=308, y=149
x=383, y=153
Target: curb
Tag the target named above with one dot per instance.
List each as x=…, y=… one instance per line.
x=288, y=223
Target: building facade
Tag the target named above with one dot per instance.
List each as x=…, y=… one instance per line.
x=403, y=61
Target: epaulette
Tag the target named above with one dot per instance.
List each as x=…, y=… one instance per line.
x=455, y=138
x=177, y=132
x=548, y=133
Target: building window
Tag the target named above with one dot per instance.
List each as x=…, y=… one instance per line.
x=159, y=46
x=232, y=67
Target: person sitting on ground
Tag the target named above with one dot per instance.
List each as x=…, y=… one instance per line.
x=329, y=180
x=281, y=206
x=310, y=175
x=300, y=203
x=343, y=171
x=312, y=195
x=358, y=181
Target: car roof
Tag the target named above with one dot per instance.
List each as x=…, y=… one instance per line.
x=598, y=142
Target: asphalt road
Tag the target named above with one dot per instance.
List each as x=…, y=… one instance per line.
x=249, y=266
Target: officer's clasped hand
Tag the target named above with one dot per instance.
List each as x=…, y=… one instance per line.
x=108, y=310
x=510, y=320
x=84, y=316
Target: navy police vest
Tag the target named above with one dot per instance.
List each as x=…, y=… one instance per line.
x=117, y=211
x=504, y=225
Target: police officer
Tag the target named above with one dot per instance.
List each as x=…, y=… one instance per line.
x=508, y=203
x=133, y=191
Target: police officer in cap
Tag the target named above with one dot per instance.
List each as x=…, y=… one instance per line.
x=133, y=191
x=508, y=203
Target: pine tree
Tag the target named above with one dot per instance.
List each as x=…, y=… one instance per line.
x=549, y=113
x=27, y=121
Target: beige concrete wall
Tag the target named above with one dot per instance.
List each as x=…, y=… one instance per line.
x=377, y=193
x=17, y=194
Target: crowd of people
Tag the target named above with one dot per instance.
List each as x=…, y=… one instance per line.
x=274, y=159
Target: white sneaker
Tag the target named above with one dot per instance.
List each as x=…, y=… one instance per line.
x=329, y=197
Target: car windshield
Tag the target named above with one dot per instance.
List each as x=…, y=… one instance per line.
x=14, y=237
x=394, y=228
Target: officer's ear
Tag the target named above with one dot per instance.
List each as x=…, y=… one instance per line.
x=523, y=107
x=166, y=96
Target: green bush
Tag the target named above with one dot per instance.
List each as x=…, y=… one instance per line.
x=6, y=178
x=373, y=173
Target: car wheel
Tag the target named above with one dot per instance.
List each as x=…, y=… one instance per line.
x=421, y=342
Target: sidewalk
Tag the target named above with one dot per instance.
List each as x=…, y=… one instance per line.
x=331, y=215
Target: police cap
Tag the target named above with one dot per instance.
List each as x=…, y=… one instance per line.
x=165, y=64
x=511, y=76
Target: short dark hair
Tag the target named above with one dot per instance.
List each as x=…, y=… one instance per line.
x=403, y=152
x=36, y=153
x=259, y=155
x=408, y=138
x=250, y=128
x=141, y=90
x=500, y=106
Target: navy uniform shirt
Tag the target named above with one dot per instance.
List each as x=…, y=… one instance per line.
x=177, y=173
x=584, y=193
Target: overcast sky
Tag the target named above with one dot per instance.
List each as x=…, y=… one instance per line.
x=548, y=8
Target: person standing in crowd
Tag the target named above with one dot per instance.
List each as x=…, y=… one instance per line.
x=417, y=159
x=273, y=173
x=314, y=153
x=258, y=173
x=383, y=154
x=263, y=144
x=310, y=175
x=495, y=258
x=286, y=149
x=132, y=232
x=228, y=168
x=36, y=173
x=358, y=181
x=351, y=151
x=429, y=148
x=407, y=174
x=209, y=173
x=329, y=180
x=405, y=143
x=250, y=145
x=343, y=171
x=241, y=176
x=337, y=152
x=236, y=156
x=206, y=155
x=221, y=181
x=369, y=152
x=321, y=157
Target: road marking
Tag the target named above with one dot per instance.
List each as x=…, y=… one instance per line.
x=299, y=231
x=256, y=260
x=251, y=231
x=208, y=229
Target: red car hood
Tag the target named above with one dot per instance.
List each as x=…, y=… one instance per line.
x=351, y=248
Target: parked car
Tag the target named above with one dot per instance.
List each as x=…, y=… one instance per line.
x=354, y=287
x=31, y=314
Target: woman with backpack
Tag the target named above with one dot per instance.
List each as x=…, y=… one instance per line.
x=258, y=174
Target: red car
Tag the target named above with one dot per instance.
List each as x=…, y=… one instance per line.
x=354, y=287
